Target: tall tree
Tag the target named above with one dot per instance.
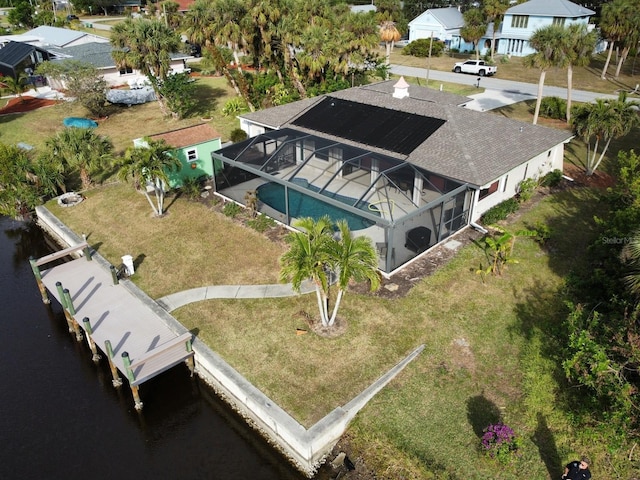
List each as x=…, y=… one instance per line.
x=388, y=34
x=550, y=43
x=614, y=25
x=580, y=43
x=80, y=149
x=148, y=167
x=603, y=121
x=475, y=26
x=146, y=45
x=494, y=11
x=201, y=27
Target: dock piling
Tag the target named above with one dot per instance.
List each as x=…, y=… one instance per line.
x=63, y=302
x=92, y=345
x=38, y=275
x=191, y=364
x=116, y=381
x=114, y=274
x=72, y=312
x=134, y=388
x=86, y=250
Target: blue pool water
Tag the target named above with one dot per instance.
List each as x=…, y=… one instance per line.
x=79, y=122
x=301, y=205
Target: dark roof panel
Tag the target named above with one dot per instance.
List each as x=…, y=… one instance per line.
x=393, y=130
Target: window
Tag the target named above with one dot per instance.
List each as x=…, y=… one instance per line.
x=559, y=21
x=485, y=192
x=125, y=70
x=519, y=21
x=192, y=154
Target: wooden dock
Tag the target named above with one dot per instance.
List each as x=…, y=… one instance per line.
x=137, y=342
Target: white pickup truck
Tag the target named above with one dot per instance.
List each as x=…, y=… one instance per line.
x=475, y=67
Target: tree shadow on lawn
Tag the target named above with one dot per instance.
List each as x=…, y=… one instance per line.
x=482, y=412
x=206, y=99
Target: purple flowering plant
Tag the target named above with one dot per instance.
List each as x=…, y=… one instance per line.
x=500, y=442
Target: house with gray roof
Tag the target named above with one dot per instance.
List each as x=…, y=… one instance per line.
x=512, y=35
x=405, y=165
x=60, y=37
x=99, y=55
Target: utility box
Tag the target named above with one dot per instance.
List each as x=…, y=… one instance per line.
x=127, y=261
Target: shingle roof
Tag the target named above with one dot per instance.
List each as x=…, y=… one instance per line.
x=449, y=17
x=550, y=8
x=185, y=137
x=472, y=147
x=97, y=54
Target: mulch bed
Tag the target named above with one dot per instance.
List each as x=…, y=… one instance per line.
x=26, y=104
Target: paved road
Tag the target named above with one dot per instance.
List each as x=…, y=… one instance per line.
x=498, y=91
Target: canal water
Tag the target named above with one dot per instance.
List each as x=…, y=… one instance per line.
x=60, y=417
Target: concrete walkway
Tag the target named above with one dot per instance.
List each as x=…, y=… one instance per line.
x=180, y=299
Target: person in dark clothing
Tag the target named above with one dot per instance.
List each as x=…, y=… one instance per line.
x=577, y=470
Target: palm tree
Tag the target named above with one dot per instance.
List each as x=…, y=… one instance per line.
x=631, y=253
x=148, y=167
x=614, y=26
x=389, y=34
x=604, y=120
x=308, y=258
x=81, y=149
x=314, y=254
x=475, y=26
x=551, y=51
x=352, y=259
x=630, y=41
x=581, y=43
x=146, y=45
x=15, y=86
x=494, y=11
x=201, y=25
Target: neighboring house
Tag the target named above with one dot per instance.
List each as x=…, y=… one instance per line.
x=193, y=147
x=99, y=55
x=520, y=21
x=407, y=166
x=16, y=58
x=440, y=23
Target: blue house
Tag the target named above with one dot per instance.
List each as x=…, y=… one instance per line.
x=512, y=36
x=520, y=21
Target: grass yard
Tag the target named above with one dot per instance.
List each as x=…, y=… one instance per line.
x=123, y=123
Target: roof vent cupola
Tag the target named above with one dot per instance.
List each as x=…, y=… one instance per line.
x=401, y=89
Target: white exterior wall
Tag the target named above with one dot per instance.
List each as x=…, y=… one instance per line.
x=250, y=128
x=424, y=25
x=113, y=77
x=508, y=184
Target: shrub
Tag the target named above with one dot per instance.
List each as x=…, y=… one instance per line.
x=238, y=135
x=191, y=188
x=232, y=209
x=235, y=106
x=261, y=223
x=500, y=211
x=553, y=107
x=500, y=442
x=526, y=188
x=420, y=48
x=551, y=179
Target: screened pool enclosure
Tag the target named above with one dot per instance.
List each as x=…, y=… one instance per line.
x=403, y=209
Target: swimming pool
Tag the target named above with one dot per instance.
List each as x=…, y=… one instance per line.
x=301, y=205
